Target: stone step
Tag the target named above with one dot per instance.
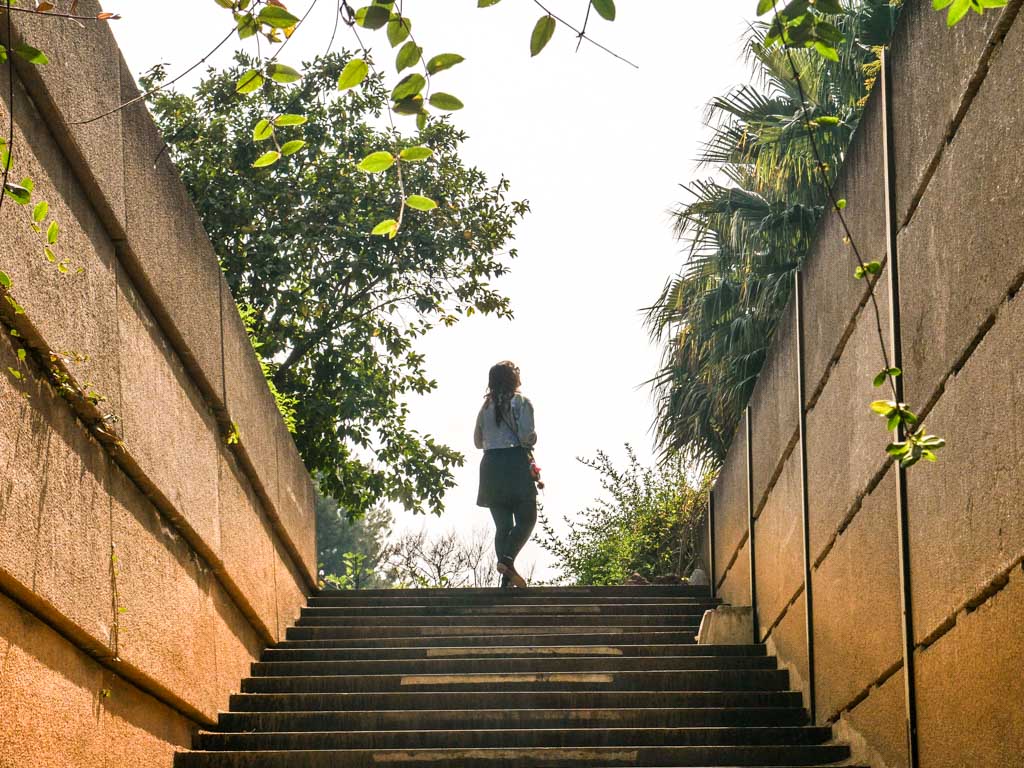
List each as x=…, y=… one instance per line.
x=505, y=737
x=683, y=680
x=286, y=652
x=506, y=597
x=551, y=757
x=533, y=699
x=435, y=719
x=516, y=621
x=309, y=637
x=548, y=664
x=510, y=632
x=655, y=590
x=509, y=609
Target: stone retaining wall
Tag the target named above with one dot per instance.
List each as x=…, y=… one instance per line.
x=959, y=154
x=146, y=556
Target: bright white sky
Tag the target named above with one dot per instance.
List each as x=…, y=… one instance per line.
x=597, y=147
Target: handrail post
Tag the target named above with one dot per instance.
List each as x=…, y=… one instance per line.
x=711, y=540
x=801, y=394
x=750, y=528
x=903, y=524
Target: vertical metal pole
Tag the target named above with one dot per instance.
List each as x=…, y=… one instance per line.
x=801, y=395
x=893, y=270
x=711, y=540
x=750, y=528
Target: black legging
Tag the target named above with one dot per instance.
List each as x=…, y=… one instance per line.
x=513, y=525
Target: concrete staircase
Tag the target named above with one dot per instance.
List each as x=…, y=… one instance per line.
x=534, y=678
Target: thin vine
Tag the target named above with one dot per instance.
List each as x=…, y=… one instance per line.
x=912, y=443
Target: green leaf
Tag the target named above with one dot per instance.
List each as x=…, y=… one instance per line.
x=18, y=193
x=267, y=159
x=376, y=162
x=5, y=280
x=291, y=147
x=542, y=32
x=883, y=407
x=247, y=26
x=387, y=227
x=830, y=53
x=415, y=154
x=30, y=54
x=289, y=120
x=957, y=11
x=276, y=17
x=606, y=8
x=49, y=254
x=874, y=267
x=22, y=354
x=373, y=16
x=52, y=233
x=763, y=6
x=282, y=73
x=486, y=3
x=399, y=28
x=859, y=273
x=407, y=56
x=445, y=101
x=880, y=379
x=263, y=131
x=353, y=74
x=421, y=203
x=421, y=120
x=411, y=106
x=409, y=86
x=249, y=82
x=15, y=373
x=40, y=211
x=442, y=62
x=841, y=203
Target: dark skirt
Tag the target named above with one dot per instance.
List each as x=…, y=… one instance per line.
x=505, y=477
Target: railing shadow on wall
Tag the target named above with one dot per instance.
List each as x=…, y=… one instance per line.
x=745, y=487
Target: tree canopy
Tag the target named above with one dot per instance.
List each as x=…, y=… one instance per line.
x=336, y=312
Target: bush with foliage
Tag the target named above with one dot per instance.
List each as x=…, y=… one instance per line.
x=650, y=522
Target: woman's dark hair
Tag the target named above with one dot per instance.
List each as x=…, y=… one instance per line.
x=502, y=384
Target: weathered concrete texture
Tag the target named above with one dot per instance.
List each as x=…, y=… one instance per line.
x=845, y=439
x=290, y=588
x=296, y=501
x=877, y=727
x=726, y=625
x=237, y=645
x=67, y=96
x=956, y=275
x=251, y=407
x=970, y=687
x=831, y=292
x=74, y=310
x=166, y=626
x=168, y=431
x=857, y=603
x=966, y=524
x=922, y=48
x=788, y=641
x=736, y=587
x=731, y=516
x=167, y=250
x=54, y=504
x=247, y=542
x=43, y=675
x=775, y=406
x=778, y=532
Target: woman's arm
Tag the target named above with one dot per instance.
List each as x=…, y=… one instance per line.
x=527, y=427
x=478, y=431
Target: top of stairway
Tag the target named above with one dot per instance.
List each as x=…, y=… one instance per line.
x=653, y=590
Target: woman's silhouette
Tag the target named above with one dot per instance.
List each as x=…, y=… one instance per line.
x=505, y=430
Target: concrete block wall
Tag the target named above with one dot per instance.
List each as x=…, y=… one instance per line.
x=145, y=563
x=959, y=155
